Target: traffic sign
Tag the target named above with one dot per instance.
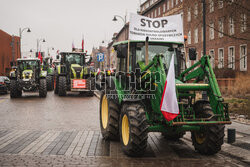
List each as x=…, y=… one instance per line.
x=100, y=57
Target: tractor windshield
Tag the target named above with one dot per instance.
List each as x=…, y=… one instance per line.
x=27, y=65
x=74, y=59
x=155, y=49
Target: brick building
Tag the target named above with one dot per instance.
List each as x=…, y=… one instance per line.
x=9, y=51
x=227, y=34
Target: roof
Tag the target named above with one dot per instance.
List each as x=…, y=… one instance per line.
x=125, y=42
x=28, y=59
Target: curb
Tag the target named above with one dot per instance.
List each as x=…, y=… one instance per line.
x=97, y=95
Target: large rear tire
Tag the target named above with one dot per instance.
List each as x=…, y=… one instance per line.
x=43, y=88
x=62, y=89
x=50, y=83
x=91, y=83
x=14, y=92
x=109, y=118
x=210, y=139
x=133, y=129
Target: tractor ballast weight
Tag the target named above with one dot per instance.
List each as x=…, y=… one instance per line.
x=130, y=101
x=74, y=74
x=27, y=75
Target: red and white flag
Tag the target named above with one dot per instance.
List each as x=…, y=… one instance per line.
x=82, y=43
x=40, y=57
x=169, y=104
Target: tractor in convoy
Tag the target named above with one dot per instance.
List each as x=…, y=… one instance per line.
x=27, y=75
x=131, y=98
x=47, y=66
x=74, y=74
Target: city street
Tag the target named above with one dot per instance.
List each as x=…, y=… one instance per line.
x=64, y=131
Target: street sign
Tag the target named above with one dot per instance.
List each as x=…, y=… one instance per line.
x=100, y=57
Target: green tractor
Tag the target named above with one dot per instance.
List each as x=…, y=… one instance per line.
x=47, y=66
x=74, y=74
x=131, y=98
x=27, y=76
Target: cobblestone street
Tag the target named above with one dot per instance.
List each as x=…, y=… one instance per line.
x=65, y=131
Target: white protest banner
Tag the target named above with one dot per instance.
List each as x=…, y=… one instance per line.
x=167, y=29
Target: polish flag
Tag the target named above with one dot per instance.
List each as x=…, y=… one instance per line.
x=169, y=104
x=82, y=43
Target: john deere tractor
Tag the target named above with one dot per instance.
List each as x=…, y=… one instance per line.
x=28, y=76
x=131, y=98
x=47, y=66
x=74, y=74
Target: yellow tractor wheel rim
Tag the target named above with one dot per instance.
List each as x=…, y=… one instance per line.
x=105, y=112
x=125, y=130
x=200, y=137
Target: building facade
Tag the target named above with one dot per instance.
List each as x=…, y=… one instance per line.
x=9, y=51
x=227, y=30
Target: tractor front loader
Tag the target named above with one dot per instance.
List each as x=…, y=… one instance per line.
x=131, y=98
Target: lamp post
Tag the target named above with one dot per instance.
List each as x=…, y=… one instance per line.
x=20, y=35
x=38, y=41
x=123, y=19
x=52, y=48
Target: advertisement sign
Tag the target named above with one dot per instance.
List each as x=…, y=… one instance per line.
x=167, y=29
x=79, y=83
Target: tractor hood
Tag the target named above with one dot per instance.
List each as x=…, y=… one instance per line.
x=76, y=71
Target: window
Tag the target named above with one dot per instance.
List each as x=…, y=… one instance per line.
x=196, y=10
x=155, y=12
x=211, y=6
x=189, y=15
x=168, y=5
x=221, y=58
x=180, y=0
x=172, y=3
x=164, y=8
x=220, y=4
x=189, y=37
x=231, y=57
x=176, y=2
x=211, y=53
x=231, y=25
x=221, y=28
x=211, y=31
x=152, y=15
x=159, y=11
x=243, y=58
x=196, y=35
x=243, y=26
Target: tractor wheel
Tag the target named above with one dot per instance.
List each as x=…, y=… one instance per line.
x=50, y=83
x=43, y=88
x=14, y=92
x=174, y=137
x=109, y=117
x=210, y=139
x=62, y=89
x=133, y=129
x=56, y=83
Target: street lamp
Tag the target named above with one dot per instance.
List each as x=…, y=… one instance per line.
x=123, y=19
x=20, y=35
x=38, y=41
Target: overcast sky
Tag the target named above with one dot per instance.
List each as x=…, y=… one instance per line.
x=61, y=22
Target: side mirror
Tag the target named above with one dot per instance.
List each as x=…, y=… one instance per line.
x=57, y=56
x=192, y=54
